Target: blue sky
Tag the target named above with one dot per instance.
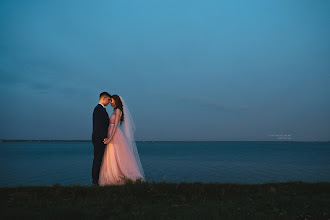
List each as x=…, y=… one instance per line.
x=189, y=70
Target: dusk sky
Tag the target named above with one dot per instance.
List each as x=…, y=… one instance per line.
x=189, y=70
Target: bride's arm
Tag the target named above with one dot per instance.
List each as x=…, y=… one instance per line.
x=118, y=116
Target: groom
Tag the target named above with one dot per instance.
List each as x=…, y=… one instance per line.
x=100, y=132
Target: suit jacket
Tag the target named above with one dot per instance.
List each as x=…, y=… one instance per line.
x=100, y=123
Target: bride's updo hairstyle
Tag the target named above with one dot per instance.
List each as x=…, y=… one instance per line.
x=119, y=105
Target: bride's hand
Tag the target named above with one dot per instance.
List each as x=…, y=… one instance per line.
x=106, y=141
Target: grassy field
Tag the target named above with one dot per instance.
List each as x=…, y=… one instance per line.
x=151, y=200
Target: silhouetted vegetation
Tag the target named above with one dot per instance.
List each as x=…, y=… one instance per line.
x=151, y=200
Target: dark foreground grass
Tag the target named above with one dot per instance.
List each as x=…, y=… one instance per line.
x=150, y=200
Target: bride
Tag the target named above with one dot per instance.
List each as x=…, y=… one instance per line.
x=121, y=160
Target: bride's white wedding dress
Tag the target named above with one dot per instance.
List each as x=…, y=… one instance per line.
x=121, y=160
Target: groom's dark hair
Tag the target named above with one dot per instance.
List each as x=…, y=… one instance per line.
x=105, y=94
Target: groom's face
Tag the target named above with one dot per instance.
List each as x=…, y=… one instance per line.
x=106, y=100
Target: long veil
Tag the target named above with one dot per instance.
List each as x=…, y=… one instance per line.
x=128, y=130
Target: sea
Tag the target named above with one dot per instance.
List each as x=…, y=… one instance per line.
x=70, y=163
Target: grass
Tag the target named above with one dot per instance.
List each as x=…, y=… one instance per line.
x=163, y=200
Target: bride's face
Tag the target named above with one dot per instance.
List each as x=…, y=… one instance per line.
x=112, y=102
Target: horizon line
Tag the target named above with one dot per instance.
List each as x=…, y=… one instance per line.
x=49, y=140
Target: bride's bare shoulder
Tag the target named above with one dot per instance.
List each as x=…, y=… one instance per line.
x=118, y=111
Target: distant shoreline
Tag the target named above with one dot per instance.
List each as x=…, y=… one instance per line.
x=148, y=141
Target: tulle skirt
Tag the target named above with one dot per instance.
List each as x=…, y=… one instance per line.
x=118, y=162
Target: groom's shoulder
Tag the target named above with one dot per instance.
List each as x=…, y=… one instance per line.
x=98, y=107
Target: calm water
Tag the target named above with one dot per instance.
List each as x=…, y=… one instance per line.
x=46, y=163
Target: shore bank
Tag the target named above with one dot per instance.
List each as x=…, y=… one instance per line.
x=151, y=200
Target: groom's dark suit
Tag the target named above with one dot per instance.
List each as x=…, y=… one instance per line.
x=100, y=131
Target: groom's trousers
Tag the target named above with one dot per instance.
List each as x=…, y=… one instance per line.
x=98, y=156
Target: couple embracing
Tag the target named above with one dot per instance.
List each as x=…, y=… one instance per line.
x=116, y=158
